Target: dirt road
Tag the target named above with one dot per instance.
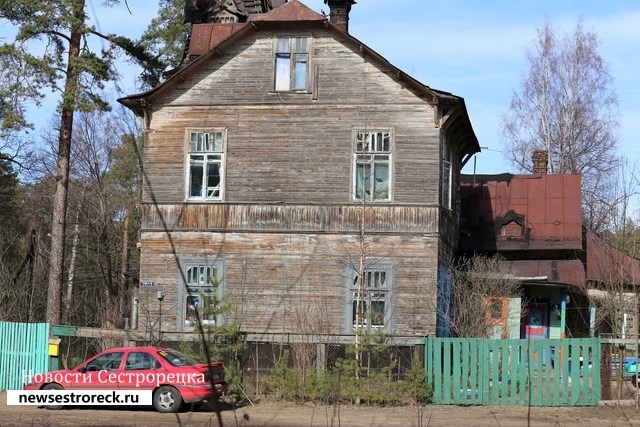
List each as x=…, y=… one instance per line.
x=279, y=414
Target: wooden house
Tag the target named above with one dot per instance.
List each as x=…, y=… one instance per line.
x=282, y=153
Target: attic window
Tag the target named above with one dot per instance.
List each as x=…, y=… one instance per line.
x=291, y=64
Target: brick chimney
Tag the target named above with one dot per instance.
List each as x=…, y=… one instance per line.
x=339, y=13
x=540, y=161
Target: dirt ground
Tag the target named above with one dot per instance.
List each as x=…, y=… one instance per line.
x=269, y=413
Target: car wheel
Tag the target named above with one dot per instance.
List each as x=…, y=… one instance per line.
x=167, y=399
x=53, y=386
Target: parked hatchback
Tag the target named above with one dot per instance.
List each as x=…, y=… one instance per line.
x=174, y=378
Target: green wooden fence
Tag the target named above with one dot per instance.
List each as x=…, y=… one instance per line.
x=550, y=372
x=23, y=352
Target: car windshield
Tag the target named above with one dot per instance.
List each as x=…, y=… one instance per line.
x=176, y=358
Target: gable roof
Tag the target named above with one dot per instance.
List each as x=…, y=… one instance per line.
x=207, y=44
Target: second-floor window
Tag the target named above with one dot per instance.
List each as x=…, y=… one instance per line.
x=206, y=162
x=372, y=165
x=291, y=64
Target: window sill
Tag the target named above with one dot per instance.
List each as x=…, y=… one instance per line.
x=195, y=201
x=375, y=202
x=293, y=92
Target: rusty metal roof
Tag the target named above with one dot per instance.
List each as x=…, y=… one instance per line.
x=205, y=37
x=567, y=271
x=520, y=212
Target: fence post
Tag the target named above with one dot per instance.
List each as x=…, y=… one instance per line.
x=58, y=331
x=605, y=371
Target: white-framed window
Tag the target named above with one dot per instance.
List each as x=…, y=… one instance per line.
x=202, y=289
x=206, y=164
x=371, y=300
x=372, y=154
x=291, y=64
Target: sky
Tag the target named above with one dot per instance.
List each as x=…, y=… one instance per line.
x=473, y=49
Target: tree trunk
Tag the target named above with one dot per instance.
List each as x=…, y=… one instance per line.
x=122, y=289
x=58, y=220
x=74, y=252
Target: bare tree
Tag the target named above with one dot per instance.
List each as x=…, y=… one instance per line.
x=481, y=287
x=566, y=105
x=63, y=61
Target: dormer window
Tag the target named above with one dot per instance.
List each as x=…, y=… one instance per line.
x=291, y=64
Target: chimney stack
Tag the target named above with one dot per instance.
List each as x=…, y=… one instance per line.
x=339, y=13
x=540, y=161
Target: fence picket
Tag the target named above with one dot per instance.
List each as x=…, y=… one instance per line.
x=23, y=349
x=542, y=372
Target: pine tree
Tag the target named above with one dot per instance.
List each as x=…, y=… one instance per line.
x=53, y=41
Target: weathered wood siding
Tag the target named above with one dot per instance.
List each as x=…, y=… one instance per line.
x=291, y=218
x=287, y=147
x=292, y=283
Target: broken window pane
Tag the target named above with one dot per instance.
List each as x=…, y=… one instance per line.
x=206, y=162
x=372, y=168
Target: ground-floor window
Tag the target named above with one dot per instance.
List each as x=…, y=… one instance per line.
x=201, y=286
x=370, y=299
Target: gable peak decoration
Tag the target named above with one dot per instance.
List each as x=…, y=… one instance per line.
x=226, y=11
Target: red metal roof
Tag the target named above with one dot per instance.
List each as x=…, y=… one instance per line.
x=521, y=212
x=205, y=37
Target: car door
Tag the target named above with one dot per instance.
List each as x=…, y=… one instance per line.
x=98, y=373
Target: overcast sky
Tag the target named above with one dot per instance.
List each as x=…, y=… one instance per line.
x=474, y=49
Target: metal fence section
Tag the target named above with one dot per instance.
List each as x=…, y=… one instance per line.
x=545, y=372
x=23, y=352
x=310, y=359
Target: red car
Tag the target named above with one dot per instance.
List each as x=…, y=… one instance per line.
x=174, y=378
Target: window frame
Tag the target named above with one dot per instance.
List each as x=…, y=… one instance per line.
x=372, y=295
x=209, y=157
x=188, y=291
x=285, y=63
x=374, y=157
